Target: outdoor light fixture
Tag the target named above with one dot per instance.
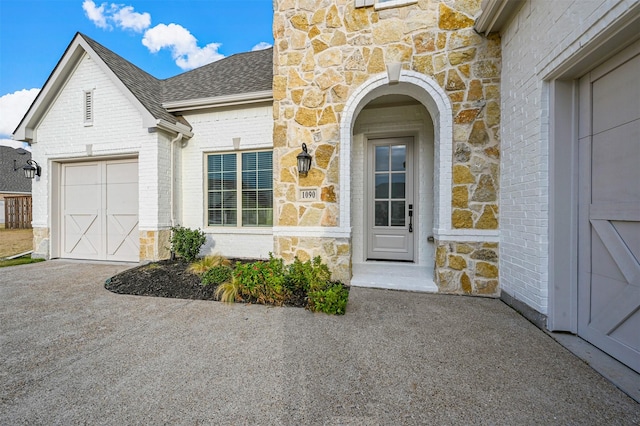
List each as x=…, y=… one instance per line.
x=304, y=161
x=31, y=169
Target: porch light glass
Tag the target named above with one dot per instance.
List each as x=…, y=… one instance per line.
x=31, y=169
x=304, y=161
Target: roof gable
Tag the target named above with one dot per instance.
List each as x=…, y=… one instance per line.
x=239, y=74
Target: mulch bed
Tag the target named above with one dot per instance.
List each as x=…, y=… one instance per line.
x=169, y=278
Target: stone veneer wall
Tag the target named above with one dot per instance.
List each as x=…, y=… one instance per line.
x=40, y=243
x=467, y=268
x=325, y=49
x=155, y=245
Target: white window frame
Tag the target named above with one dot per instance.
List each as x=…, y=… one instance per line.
x=88, y=107
x=239, y=206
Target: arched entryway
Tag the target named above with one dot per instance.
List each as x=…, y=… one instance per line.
x=396, y=142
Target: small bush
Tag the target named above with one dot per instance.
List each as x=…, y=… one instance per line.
x=332, y=300
x=201, y=266
x=187, y=242
x=309, y=275
x=262, y=282
x=217, y=275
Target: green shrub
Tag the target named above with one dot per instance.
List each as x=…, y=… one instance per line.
x=187, y=242
x=217, y=275
x=262, y=282
x=332, y=300
x=309, y=275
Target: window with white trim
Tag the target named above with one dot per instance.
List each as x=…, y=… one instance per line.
x=88, y=107
x=240, y=189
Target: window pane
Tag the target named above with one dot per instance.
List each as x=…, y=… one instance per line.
x=382, y=213
x=230, y=217
x=265, y=199
x=229, y=181
x=249, y=200
x=265, y=160
x=382, y=158
x=215, y=217
x=215, y=200
x=265, y=217
x=229, y=163
x=265, y=179
x=215, y=183
x=398, y=157
x=397, y=213
x=397, y=185
x=214, y=163
x=382, y=185
x=249, y=161
x=249, y=180
x=249, y=217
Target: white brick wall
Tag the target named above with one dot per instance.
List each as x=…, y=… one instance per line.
x=214, y=132
x=540, y=38
x=116, y=130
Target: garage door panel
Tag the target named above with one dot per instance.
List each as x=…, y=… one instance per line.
x=615, y=160
x=609, y=240
x=100, y=211
x=629, y=233
x=82, y=174
x=620, y=84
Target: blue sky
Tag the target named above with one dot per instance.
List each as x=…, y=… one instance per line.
x=163, y=37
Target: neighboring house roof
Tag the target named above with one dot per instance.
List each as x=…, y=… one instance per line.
x=240, y=74
x=10, y=180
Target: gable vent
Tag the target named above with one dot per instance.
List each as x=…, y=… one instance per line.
x=88, y=107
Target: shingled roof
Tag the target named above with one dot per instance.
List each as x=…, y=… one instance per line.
x=237, y=74
x=242, y=73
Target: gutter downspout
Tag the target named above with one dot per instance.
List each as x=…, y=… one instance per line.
x=179, y=137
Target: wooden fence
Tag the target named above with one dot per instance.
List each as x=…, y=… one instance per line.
x=17, y=212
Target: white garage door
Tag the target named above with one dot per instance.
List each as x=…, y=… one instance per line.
x=100, y=211
x=609, y=238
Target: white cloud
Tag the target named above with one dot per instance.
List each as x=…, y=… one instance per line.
x=261, y=46
x=183, y=45
x=13, y=107
x=15, y=144
x=126, y=18
x=122, y=16
x=95, y=14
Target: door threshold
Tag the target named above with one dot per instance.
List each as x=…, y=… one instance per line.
x=394, y=276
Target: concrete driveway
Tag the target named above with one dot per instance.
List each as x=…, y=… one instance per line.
x=73, y=353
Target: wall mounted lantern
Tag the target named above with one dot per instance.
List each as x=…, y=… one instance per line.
x=304, y=161
x=31, y=169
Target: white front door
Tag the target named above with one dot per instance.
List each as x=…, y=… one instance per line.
x=609, y=210
x=99, y=217
x=390, y=207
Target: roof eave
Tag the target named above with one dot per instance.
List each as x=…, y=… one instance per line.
x=495, y=14
x=219, y=101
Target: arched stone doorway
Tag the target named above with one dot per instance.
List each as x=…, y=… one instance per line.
x=412, y=114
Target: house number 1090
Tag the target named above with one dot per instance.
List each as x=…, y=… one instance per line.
x=308, y=194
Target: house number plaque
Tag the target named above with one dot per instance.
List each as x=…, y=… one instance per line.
x=308, y=194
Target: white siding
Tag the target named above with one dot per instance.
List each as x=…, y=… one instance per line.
x=116, y=130
x=214, y=132
x=540, y=38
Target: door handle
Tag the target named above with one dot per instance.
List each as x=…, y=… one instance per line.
x=410, y=217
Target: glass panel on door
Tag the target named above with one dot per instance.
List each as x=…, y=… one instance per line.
x=390, y=185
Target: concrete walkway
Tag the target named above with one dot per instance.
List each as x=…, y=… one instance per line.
x=73, y=353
